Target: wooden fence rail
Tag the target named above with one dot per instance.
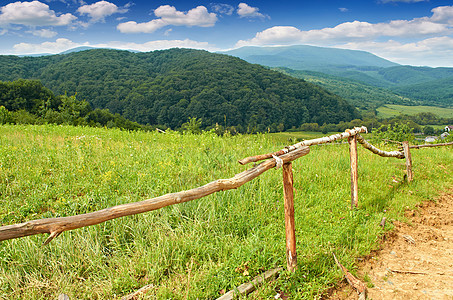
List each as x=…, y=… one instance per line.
x=55, y=226
x=430, y=145
x=323, y=140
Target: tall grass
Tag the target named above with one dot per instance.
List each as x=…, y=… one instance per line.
x=200, y=248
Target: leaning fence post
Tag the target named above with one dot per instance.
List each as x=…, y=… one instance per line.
x=288, y=194
x=354, y=171
x=407, y=154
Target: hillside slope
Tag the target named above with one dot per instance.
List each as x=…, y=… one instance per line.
x=166, y=87
x=436, y=91
x=361, y=95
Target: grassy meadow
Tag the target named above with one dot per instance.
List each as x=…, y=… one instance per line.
x=393, y=110
x=198, y=249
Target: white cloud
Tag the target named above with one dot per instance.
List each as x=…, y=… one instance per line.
x=343, y=9
x=435, y=52
x=58, y=46
x=44, y=33
x=222, y=8
x=198, y=16
x=443, y=14
x=100, y=10
x=32, y=13
x=439, y=23
x=168, y=15
x=134, y=27
x=246, y=11
x=63, y=44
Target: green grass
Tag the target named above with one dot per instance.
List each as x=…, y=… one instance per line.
x=195, y=249
x=390, y=110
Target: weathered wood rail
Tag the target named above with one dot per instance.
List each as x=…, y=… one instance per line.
x=430, y=145
x=56, y=226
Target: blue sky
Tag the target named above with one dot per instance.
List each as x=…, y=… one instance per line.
x=415, y=32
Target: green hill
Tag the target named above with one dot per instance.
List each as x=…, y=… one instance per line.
x=167, y=87
x=437, y=92
x=361, y=95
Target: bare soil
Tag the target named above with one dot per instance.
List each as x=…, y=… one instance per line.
x=416, y=259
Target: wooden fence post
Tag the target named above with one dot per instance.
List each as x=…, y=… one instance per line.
x=354, y=171
x=407, y=154
x=290, y=230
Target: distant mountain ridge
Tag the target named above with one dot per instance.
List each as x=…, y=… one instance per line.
x=424, y=85
x=304, y=57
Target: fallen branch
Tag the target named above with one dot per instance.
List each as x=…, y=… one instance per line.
x=377, y=151
x=160, y=130
x=139, y=292
x=249, y=287
x=55, y=226
x=430, y=145
x=354, y=282
x=382, y=224
x=408, y=272
x=408, y=238
x=323, y=140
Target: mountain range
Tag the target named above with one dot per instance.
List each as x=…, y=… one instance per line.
x=412, y=85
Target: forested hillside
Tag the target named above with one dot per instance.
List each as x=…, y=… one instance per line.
x=167, y=87
x=361, y=95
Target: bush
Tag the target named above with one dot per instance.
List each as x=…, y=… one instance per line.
x=5, y=116
x=395, y=132
x=24, y=117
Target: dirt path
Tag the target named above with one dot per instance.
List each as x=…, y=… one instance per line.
x=416, y=260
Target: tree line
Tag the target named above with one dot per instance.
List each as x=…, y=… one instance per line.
x=29, y=102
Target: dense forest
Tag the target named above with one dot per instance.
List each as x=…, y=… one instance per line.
x=169, y=87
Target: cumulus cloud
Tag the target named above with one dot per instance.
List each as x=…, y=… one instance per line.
x=168, y=15
x=439, y=23
x=58, y=46
x=63, y=44
x=222, y=8
x=44, y=33
x=443, y=14
x=435, y=52
x=32, y=13
x=100, y=10
x=246, y=11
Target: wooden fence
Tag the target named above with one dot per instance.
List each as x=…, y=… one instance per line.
x=279, y=159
